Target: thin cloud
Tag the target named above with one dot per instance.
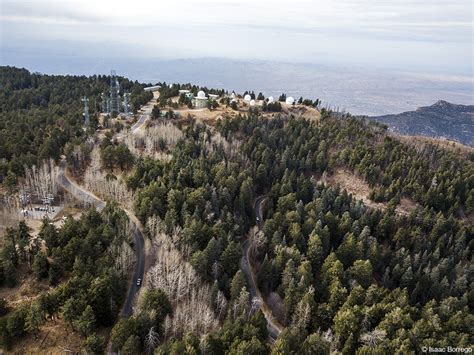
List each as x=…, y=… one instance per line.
x=299, y=29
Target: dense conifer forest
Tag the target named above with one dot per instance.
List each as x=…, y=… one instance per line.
x=82, y=258
x=41, y=113
x=338, y=275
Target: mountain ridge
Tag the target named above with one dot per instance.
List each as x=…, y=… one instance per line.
x=443, y=119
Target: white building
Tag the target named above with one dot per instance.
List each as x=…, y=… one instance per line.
x=213, y=96
x=270, y=99
x=152, y=88
x=200, y=101
x=247, y=98
x=290, y=100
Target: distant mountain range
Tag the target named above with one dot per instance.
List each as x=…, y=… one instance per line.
x=355, y=89
x=441, y=120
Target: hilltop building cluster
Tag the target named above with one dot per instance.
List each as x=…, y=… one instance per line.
x=200, y=100
x=251, y=101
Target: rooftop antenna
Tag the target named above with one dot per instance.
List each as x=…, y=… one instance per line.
x=86, y=111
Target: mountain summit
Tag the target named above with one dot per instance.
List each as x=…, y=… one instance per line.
x=440, y=120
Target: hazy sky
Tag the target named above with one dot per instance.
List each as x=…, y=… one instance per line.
x=419, y=35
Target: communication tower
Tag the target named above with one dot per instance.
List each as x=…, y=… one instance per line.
x=114, y=92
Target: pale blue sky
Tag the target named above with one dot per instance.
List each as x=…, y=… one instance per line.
x=416, y=35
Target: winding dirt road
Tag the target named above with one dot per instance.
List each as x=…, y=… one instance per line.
x=273, y=326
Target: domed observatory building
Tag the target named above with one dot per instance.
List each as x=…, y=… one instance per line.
x=270, y=99
x=290, y=101
x=200, y=101
x=247, y=98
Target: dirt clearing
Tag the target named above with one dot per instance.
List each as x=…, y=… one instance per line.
x=360, y=190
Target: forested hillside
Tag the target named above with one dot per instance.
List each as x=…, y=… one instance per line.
x=41, y=113
x=338, y=274
x=442, y=119
x=249, y=245
x=83, y=264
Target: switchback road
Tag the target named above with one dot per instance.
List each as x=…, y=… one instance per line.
x=90, y=199
x=273, y=326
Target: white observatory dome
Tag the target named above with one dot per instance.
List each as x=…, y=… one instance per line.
x=247, y=97
x=270, y=99
x=290, y=101
x=201, y=94
x=252, y=102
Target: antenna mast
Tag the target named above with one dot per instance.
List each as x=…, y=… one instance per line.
x=114, y=91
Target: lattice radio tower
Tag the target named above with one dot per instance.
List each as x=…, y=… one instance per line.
x=126, y=103
x=114, y=92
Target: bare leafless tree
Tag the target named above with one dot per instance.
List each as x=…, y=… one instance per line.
x=154, y=141
x=221, y=304
x=302, y=314
x=43, y=180
x=241, y=305
x=124, y=257
x=106, y=186
x=151, y=340
x=189, y=295
x=256, y=239
x=373, y=338
x=231, y=148
x=167, y=327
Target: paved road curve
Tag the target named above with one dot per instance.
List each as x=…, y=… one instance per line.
x=78, y=192
x=90, y=199
x=138, y=124
x=146, y=113
x=273, y=326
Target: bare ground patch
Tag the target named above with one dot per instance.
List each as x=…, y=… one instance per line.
x=27, y=290
x=55, y=337
x=446, y=144
x=211, y=116
x=360, y=190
